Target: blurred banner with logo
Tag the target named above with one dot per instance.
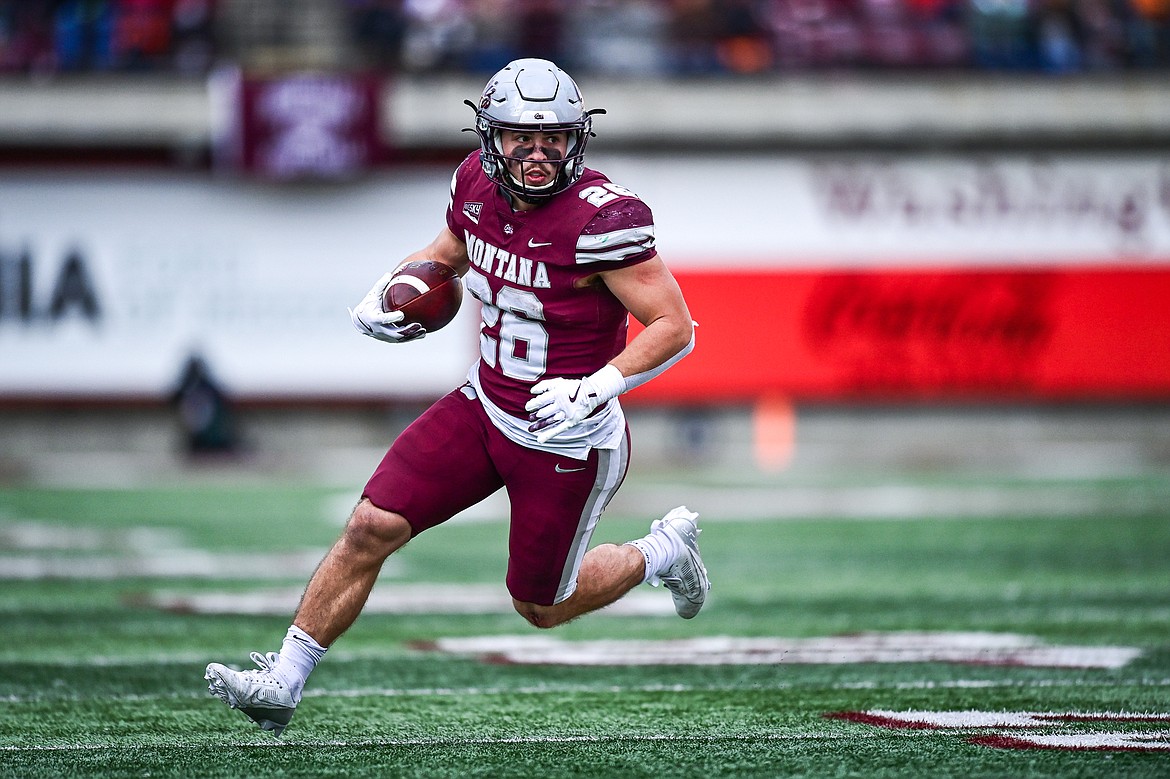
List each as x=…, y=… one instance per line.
x=298, y=125
x=1077, y=333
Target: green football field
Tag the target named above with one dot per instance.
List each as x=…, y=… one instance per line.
x=1002, y=645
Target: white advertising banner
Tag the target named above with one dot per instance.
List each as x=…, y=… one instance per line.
x=881, y=211
x=109, y=281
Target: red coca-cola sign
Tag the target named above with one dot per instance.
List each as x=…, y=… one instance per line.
x=897, y=334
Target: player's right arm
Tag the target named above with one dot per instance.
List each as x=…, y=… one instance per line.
x=368, y=317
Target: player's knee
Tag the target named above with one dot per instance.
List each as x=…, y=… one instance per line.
x=376, y=530
x=543, y=617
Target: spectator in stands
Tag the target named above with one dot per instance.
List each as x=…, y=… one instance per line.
x=692, y=51
x=892, y=38
x=1104, y=39
x=497, y=36
x=742, y=42
x=619, y=37
x=1148, y=33
x=26, y=40
x=540, y=28
x=438, y=32
x=1059, y=36
x=944, y=39
x=141, y=33
x=816, y=34
x=627, y=37
x=193, y=35
x=1000, y=34
x=377, y=28
x=83, y=35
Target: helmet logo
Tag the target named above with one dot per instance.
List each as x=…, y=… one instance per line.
x=486, y=100
x=538, y=116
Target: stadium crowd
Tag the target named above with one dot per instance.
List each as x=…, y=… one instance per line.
x=44, y=37
x=619, y=37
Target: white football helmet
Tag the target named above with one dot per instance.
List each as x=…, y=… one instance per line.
x=535, y=95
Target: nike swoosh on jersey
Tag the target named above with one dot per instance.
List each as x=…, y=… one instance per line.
x=537, y=244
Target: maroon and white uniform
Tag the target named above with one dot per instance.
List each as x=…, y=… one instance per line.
x=539, y=321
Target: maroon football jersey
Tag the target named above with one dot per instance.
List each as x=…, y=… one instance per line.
x=525, y=265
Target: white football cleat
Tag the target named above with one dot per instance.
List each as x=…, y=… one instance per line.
x=259, y=693
x=686, y=578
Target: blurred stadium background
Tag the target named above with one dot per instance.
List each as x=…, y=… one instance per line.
x=915, y=233
x=927, y=243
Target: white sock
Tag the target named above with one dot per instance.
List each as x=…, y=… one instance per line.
x=660, y=550
x=299, y=655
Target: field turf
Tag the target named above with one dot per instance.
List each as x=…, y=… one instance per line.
x=106, y=638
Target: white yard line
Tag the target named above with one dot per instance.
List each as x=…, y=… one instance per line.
x=197, y=690
x=978, y=648
x=893, y=500
x=458, y=742
x=393, y=598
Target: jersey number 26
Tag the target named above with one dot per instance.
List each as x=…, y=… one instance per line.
x=521, y=350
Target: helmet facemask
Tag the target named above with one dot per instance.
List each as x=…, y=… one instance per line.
x=510, y=172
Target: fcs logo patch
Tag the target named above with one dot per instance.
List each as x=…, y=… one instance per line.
x=472, y=211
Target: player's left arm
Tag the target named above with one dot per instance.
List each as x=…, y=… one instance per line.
x=650, y=293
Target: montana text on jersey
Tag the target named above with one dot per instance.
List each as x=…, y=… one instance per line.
x=592, y=226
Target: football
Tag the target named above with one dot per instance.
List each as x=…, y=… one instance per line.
x=426, y=292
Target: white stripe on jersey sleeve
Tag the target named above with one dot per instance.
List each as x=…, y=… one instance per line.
x=616, y=245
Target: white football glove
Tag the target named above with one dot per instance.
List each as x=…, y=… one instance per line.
x=369, y=319
x=559, y=404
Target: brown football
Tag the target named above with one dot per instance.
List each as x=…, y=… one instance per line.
x=426, y=292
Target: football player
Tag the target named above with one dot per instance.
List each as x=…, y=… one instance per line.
x=558, y=257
